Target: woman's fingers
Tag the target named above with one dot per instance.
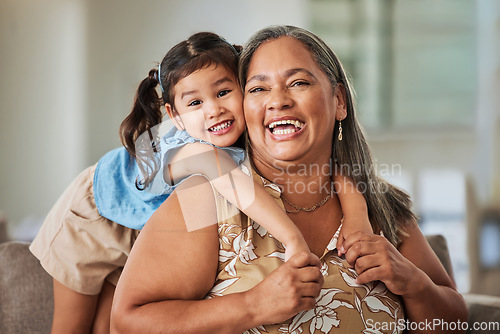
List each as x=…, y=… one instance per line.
x=306, y=267
x=367, y=262
x=310, y=290
x=359, y=236
x=369, y=275
x=310, y=274
x=304, y=259
x=376, y=259
x=395, y=275
x=291, y=288
x=360, y=249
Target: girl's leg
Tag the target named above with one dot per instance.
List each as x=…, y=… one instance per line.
x=73, y=312
x=103, y=312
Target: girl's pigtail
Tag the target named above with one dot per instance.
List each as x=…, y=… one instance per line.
x=237, y=48
x=145, y=114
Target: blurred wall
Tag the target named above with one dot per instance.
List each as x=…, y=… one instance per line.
x=68, y=73
x=43, y=101
x=472, y=150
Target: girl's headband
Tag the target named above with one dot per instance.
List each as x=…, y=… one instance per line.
x=231, y=45
x=159, y=77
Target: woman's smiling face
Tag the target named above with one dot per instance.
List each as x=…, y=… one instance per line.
x=290, y=105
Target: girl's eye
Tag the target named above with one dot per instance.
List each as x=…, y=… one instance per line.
x=194, y=103
x=223, y=92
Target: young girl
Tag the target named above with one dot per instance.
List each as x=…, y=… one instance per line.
x=87, y=236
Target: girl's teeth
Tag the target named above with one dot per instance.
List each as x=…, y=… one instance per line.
x=221, y=126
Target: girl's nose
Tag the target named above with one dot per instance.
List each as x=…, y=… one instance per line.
x=213, y=109
x=279, y=99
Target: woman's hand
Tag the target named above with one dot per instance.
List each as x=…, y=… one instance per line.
x=412, y=271
x=375, y=258
x=291, y=288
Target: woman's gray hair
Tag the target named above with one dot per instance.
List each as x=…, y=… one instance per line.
x=324, y=56
x=389, y=208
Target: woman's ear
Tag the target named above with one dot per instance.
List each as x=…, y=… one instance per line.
x=174, y=116
x=340, y=95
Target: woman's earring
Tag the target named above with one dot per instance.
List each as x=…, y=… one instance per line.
x=340, y=130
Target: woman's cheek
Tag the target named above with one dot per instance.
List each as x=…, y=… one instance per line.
x=250, y=109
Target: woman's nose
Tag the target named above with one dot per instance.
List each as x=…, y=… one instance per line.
x=279, y=99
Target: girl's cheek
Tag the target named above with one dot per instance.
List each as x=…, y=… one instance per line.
x=238, y=108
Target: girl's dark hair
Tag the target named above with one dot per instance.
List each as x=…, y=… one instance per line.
x=199, y=51
x=389, y=208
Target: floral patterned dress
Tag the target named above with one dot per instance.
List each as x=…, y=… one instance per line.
x=248, y=253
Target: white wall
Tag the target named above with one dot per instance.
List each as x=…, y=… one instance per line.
x=68, y=73
x=487, y=160
x=42, y=102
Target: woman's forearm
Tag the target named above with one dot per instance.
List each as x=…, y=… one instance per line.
x=436, y=304
x=291, y=288
x=227, y=314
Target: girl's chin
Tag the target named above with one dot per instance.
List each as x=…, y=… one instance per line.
x=223, y=141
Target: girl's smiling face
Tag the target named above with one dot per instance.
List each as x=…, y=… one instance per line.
x=208, y=104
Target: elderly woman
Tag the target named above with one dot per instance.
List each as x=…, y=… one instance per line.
x=300, y=117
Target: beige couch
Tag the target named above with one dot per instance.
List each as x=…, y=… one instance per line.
x=26, y=301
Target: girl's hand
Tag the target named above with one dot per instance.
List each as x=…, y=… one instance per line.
x=351, y=226
x=299, y=245
x=375, y=259
x=354, y=208
x=291, y=288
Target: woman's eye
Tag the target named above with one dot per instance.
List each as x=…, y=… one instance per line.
x=223, y=92
x=255, y=90
x=300, y=83
x=194, y=103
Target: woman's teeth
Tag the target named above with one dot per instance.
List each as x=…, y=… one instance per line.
x=285, y=126
x=221, y=126
x=283, y=132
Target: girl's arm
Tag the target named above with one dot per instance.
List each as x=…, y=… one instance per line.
x=239, y=189
x=170, y=269
x=354, y=210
